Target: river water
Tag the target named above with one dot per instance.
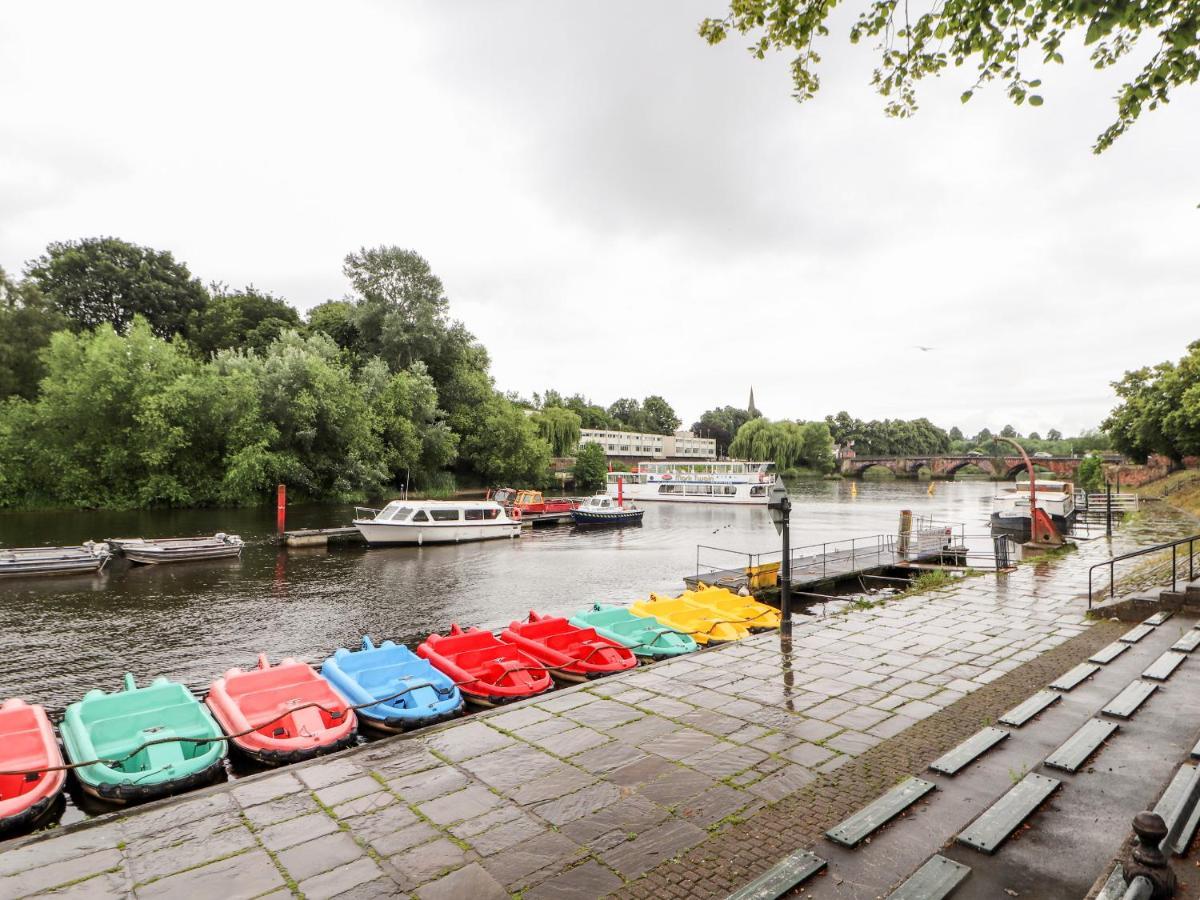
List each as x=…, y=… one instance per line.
x=60, y=637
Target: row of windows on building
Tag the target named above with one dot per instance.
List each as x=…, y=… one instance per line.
x=651, y=446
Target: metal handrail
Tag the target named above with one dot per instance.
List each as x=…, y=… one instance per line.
x=1173, y=546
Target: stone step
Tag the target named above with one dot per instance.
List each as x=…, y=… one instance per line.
x=1163, y=667
x=1073, y=678
x=1189, y=642
x=1177, y=807
x=850, y=832
x=1019, y=715
x=1107, y=654
x=1159, y=617
x=1136, y=634
x=968, y=751
x=1005, y=816
x=793, y=870
x=1196, y=751
x=933, y=881
x=1081, y=745
x=1126, y=703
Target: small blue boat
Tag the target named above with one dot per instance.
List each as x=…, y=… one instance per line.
x=410, y=692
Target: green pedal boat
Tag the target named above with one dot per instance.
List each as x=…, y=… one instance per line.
x=114, y=729
x=647, y=637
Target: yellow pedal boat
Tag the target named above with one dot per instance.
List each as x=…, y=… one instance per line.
x=705, y=624
x=754, y=615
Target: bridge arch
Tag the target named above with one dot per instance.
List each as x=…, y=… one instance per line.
x=980, y=462
x=860, y=471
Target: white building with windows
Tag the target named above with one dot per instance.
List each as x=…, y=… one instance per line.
x=680, y=445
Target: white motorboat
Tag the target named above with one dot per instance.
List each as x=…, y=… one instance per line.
x=84, y=559
x=437, y=522
x=730, y=481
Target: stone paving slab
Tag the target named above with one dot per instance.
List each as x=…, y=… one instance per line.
x=587, y=789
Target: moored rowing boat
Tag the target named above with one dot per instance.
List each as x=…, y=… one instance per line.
x=167, y=550
x=87, y=558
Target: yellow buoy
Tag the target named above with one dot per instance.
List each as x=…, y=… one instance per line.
x=853, y=489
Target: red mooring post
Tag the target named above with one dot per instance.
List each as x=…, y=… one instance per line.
x=281, y=508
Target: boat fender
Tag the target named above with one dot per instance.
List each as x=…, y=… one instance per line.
x=515, y=514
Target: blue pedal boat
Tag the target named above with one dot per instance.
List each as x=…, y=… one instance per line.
x=410, y=692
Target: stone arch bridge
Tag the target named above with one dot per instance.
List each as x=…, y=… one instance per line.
x=998, y=467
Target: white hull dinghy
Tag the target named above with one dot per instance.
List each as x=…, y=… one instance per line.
x=168, y=550
x=422, y=522
x=88, y=558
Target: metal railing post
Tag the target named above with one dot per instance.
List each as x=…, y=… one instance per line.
x=1173, y=565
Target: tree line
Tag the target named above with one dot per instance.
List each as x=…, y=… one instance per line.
x=125, y=382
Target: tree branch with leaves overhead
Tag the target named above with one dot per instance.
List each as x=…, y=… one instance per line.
x=996, y=36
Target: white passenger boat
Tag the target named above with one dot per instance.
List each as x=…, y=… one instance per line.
x=437, y=522
x=731, y=481
x=89, y=557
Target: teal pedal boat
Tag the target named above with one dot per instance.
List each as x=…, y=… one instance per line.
x=410, y=691
x=644, y=635
x=116, y=728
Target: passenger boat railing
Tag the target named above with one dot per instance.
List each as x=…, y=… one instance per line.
x=365, y=512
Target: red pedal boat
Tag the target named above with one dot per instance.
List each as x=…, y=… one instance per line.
x=290, y=712
x=488, y=671
x=27, y=744
x=573, y=654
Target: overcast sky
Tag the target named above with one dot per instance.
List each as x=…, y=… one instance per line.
x=619, y=209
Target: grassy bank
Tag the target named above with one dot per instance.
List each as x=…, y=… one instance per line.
x=1180, y=489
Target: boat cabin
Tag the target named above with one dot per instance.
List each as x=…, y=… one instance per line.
x=430, y=511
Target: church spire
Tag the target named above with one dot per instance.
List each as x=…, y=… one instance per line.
x=751, y=408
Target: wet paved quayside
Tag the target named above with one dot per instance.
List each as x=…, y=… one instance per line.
x=682, y=779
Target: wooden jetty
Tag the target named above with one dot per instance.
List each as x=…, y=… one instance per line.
x=321, y=537
x=830, y=564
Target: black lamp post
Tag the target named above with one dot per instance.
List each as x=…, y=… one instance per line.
x=781, y=511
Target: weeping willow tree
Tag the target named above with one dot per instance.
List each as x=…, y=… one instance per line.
x=559, y=427
x=788, y=444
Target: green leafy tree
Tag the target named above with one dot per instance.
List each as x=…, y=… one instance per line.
x=105, y=280
x=1034, y=436
x=559, y=427
x=317, y=432
x=658, y=415
x=247, y=319
x=628, y=415
x=26, y=323
x=1090, y=476
x=955, y=433
x=591, y=415
x=415, y=440
x=401, y=307
x=335, y=319
x=816, y=447
x=721, y=424
x=1009, y=432
x=998, y=37
x=591, y=467
x=121, y=421
x=1054, y=435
